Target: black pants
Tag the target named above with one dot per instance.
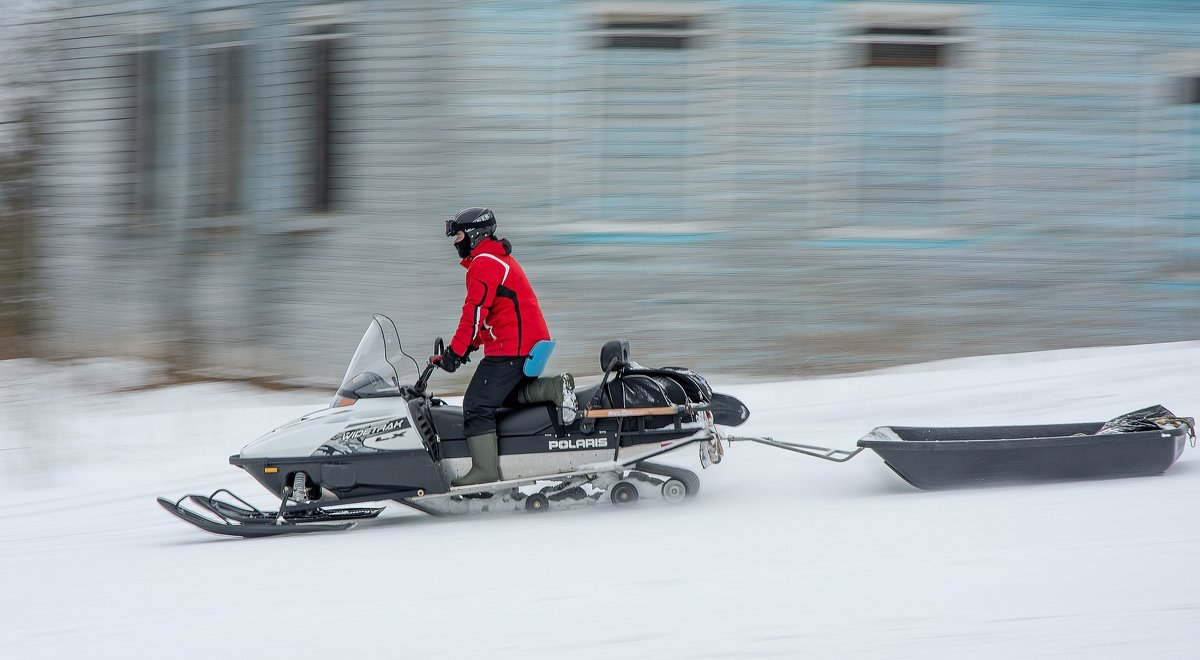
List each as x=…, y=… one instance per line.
x=494, y=385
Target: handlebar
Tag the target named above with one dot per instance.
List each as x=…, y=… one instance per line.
x=423, y=381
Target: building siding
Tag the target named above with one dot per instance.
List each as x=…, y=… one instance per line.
x=757, y=204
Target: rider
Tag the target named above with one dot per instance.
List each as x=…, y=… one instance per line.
x=501, y=313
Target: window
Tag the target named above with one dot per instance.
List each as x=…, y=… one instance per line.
x=906, y=46
x=216, y=106
x=1189, y=89
x=315, y=51
x=655, y=31
x=225, y=173
x=644, y=136
x=904, y=131
x=319, y=183
x=906, y=35
x=144, y=67
x=1185, y=116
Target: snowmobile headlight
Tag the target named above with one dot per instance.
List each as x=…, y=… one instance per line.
x=342, y=402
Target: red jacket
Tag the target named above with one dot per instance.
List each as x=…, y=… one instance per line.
x=501, y=312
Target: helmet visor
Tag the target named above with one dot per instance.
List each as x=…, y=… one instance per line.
x=450, y=230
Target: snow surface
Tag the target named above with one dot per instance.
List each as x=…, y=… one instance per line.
x=780, y=555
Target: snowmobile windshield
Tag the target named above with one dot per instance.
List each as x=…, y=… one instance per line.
x=379, y=366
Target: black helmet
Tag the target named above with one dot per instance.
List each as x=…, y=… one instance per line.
x=477, y=223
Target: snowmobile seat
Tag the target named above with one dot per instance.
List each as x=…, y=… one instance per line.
x=535, y=420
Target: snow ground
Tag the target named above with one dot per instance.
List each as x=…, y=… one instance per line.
x=780, y=555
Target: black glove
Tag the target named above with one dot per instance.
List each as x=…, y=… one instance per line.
x=448, y=360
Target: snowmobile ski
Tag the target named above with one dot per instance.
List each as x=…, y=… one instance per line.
x=257, y=529
x=250, y=515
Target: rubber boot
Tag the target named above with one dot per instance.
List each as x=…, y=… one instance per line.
x=559, y=390
x=485, y=461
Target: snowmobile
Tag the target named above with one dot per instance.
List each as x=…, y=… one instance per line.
x=385, y=437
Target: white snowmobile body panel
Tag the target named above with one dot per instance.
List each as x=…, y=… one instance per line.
x=382, y=424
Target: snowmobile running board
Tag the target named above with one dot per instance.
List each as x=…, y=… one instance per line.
x=584, y=473
x=826, y=453
x=504, y=484
x=602, y=476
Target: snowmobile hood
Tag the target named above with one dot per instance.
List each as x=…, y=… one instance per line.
x=276, y=443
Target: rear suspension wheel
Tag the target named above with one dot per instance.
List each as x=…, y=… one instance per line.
x=623, y=493
x=674, y=491
x=537, y=503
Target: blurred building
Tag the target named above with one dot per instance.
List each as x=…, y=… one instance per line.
x=761, y=187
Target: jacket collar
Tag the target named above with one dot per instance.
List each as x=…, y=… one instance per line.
x=486, y=246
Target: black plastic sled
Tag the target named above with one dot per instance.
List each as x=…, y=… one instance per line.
x=1141, y=443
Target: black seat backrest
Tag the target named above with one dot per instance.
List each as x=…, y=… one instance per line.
x=614, y=355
